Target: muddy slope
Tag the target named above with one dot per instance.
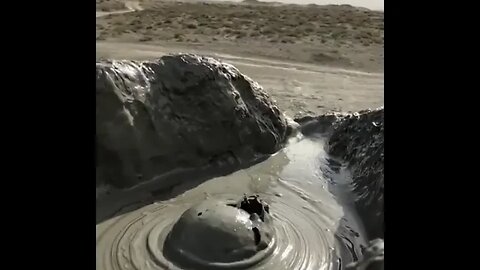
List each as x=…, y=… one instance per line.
x=359, y=139
x=179, y=111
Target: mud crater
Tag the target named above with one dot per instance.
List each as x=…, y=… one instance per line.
x=258, y=210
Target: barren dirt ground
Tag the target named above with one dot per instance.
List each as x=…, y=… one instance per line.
x=311, y=59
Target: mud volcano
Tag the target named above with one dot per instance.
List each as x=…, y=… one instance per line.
x=180, y=111
x=221, y=235
x=314, y=193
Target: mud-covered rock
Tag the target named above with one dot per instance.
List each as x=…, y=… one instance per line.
x=180, y=111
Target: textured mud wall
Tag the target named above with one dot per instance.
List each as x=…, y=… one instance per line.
x=358, y=138
x=179, y=111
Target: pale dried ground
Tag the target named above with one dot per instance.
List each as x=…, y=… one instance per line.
x=304, y=56
x=110, y=5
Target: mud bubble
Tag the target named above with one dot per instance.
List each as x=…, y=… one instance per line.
x=221, y=235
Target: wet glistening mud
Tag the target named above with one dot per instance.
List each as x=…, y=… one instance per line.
x=314, y=223
x=198, y=168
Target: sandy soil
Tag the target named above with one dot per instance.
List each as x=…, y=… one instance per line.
x=301, y=55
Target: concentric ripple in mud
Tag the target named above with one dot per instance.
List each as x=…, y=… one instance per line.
x=314, y=226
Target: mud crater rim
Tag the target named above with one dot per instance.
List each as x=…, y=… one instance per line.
x=245, y=223
x=257, y=209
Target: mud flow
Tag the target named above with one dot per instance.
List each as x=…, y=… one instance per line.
x=198, y=168
x=301, y=216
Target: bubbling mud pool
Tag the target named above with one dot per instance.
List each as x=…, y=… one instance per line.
x=311, y=205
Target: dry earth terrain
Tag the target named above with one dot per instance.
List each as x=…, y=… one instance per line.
x=300, y=54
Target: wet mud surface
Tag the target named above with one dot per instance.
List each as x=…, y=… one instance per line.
x=310, y=201
x=358, y=139
x=310, y=205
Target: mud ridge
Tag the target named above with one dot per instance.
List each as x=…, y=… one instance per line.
x=358, y=139
x=180, y=111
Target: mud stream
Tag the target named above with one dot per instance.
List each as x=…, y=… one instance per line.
x=315, y=225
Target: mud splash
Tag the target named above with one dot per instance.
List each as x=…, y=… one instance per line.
x=315, y=225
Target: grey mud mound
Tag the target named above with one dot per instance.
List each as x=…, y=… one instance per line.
x=219, y=235
x=180, y=111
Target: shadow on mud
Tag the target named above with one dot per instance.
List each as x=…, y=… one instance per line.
x=170, y=185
